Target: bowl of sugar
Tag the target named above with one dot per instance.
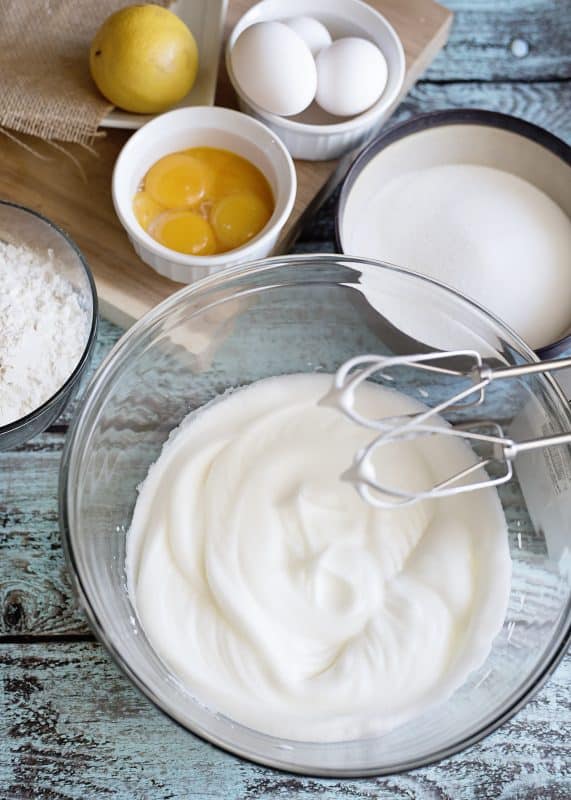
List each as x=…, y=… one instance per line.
x=48, y=322
x=477, y=200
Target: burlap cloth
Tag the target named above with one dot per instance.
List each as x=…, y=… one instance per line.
x=45, y=86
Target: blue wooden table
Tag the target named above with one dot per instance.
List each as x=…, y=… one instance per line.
x=72, y=727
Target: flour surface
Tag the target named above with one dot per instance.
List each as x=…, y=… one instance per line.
x=43, y=330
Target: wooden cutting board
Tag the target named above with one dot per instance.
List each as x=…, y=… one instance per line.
x=73, y=188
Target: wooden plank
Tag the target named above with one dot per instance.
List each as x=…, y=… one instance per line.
x=481, y=43
x=35, y=593
x=546, y=104
x=74, y=728
x=79, y=199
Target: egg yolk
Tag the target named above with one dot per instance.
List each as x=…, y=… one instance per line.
x=237, y=218
x=177, y=181
x=145, y=208
x=185, y=232
x=242, y=177
x=203, y=201
x=213, y=158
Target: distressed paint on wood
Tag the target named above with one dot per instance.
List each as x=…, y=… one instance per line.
x=35, y=593
x=75, y=729
x=481, y=43
x=545, y=104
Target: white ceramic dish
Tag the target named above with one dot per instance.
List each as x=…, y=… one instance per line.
x=314, y=134
x=205, y=18
x=194, y=127
x=471, y=136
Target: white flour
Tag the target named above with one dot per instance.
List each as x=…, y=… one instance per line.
x=43, y=330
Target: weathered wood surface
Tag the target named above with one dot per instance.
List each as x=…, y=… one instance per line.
x=494, y=40
x=77, y=730
x=545, y=104
x=71, y=726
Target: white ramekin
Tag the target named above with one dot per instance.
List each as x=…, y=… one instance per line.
x=313, y=134
x=195, y=127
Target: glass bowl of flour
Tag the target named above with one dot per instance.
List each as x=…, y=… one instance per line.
x=247, y=590
x=48, y=319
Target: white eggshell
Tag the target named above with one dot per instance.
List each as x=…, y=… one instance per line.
x=274, y=67
x=312, y=31
x=351, y=75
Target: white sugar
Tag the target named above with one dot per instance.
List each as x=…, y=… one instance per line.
x=491, y=235
x=43, y=330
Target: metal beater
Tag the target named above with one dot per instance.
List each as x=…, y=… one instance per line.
x=502, y=449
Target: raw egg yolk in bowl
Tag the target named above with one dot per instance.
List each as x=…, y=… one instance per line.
x=203, y=201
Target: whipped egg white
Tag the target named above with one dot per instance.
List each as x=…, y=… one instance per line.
x=284, y=601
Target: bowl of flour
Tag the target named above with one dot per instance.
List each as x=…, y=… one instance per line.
x=48, y=321
x=478, y=201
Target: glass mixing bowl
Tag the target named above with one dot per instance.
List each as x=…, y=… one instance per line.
x=307, y=314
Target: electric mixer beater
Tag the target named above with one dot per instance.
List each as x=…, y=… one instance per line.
x=502, y=449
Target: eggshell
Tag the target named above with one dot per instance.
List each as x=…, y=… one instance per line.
x=312, y=31
x=351, y=75
x=274, y=68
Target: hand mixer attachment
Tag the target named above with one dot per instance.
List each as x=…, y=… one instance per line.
x=500, y=450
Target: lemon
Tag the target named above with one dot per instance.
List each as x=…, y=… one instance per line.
x=144, y=59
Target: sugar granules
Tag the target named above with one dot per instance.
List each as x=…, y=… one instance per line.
x=43, y=330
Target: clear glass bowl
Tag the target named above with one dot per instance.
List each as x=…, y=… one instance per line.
x=22, y=226
x=305, y=314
